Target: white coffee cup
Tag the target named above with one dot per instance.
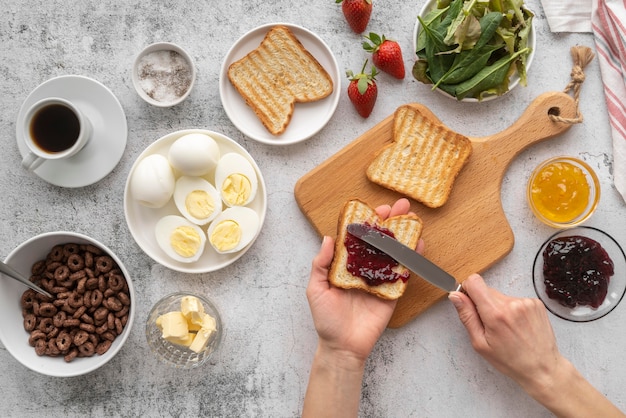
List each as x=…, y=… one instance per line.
x=54, y=129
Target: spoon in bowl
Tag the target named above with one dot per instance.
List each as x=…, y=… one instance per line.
x=14, y=274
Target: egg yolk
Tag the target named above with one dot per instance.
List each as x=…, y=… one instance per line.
x=199, y=204
x=560, y=191
x=226, y=235
x=236, y=189
x=185, y=241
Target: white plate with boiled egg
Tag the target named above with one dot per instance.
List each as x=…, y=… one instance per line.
x=195, y=201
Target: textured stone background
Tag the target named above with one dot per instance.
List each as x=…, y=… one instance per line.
x=425, y=369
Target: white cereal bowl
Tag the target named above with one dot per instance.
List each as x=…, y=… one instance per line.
x=136, y=77
x=12, y=333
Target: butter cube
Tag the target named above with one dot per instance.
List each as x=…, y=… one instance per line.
x=207, y=321
x=202, y=339
x=192, y=308
x=173, y=325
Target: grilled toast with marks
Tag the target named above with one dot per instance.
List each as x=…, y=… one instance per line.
x=276, y=75
x=423, y=160
x=405, y=228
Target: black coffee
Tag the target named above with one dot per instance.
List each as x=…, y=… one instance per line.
x=55, y=128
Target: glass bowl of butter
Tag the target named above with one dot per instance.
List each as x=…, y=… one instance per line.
x=184, y=330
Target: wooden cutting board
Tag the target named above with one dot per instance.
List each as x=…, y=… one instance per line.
x=470, y=232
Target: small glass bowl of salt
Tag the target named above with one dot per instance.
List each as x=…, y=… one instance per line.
x=163, y=74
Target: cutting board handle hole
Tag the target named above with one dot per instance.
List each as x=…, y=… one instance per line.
x=554, y=111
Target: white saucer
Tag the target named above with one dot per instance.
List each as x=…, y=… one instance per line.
x=308, y=118
x=105, y=148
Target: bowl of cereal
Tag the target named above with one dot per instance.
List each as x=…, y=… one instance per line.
x=89, y=318
x=184, y=329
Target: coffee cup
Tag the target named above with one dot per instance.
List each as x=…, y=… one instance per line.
x=54, y=129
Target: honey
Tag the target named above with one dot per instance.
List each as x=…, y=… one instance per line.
x=560, y=192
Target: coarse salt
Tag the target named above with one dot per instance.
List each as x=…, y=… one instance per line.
x=164, y=75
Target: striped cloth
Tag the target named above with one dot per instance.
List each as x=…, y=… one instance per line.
x=608, y=22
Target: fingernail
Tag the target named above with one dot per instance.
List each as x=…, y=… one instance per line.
x=456, y=300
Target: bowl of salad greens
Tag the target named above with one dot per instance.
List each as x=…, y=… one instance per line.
x=473, y=50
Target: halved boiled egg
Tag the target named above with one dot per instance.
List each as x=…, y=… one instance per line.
x=180, y=239
x=236, y=179
x=194, y=154
x=197, y=199
x=233, y=229
x=152, y=182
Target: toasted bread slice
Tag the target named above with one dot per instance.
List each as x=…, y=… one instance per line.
x=276, y=75
x=405, y=228
x=423, y=160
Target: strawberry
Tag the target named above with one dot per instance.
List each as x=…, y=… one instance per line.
x=362, y=90
x=386, y=54
x=357, y=13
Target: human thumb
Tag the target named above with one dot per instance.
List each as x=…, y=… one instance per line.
x=467, y=314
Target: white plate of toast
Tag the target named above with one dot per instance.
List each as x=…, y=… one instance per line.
x=270, y=106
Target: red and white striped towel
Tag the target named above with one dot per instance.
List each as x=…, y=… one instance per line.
x=608, y=22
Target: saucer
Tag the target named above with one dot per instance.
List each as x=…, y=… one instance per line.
x=308, y=118
x=106, y=146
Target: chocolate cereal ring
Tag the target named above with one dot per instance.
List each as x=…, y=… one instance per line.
x=101, y=314
x=38, y=268
x=64, y=341
x=47, y=310
x=87, y=349
x=104, y=264
x=88, y=259
x=61, y=273
x=28, y=297
x=41, y=347
x=103, y=347
x=81, y=338
x=70, y=249
x=30, y=322
x=59, y=319
x=92, y=249
x=77, y=275
x=116, y=282
x=45, y=325
x=75, y=262
x=36, y=335
x=75, y=300
x=52, y=266
x=92, y=283
x=56, y=253
x=71, y=355
x=95, y=299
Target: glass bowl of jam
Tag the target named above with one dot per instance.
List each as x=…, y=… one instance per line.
x=563, y=192
x=184, y=330
x=580, y=274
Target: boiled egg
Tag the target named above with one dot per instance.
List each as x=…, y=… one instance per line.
x=180, y=239
x=236, y=179
x=233, y=229
x=197, y=199
x=194, y=154
x=152, y=182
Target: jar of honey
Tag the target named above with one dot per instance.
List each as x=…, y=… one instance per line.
x=563, y=192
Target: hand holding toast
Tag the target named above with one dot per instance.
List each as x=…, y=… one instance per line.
x=348, y=323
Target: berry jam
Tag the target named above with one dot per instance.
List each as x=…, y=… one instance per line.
x=576, y=271
x=369, y=263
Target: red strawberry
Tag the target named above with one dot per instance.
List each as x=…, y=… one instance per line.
x=386, y=54
x=357, y=13
x=362, y=90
